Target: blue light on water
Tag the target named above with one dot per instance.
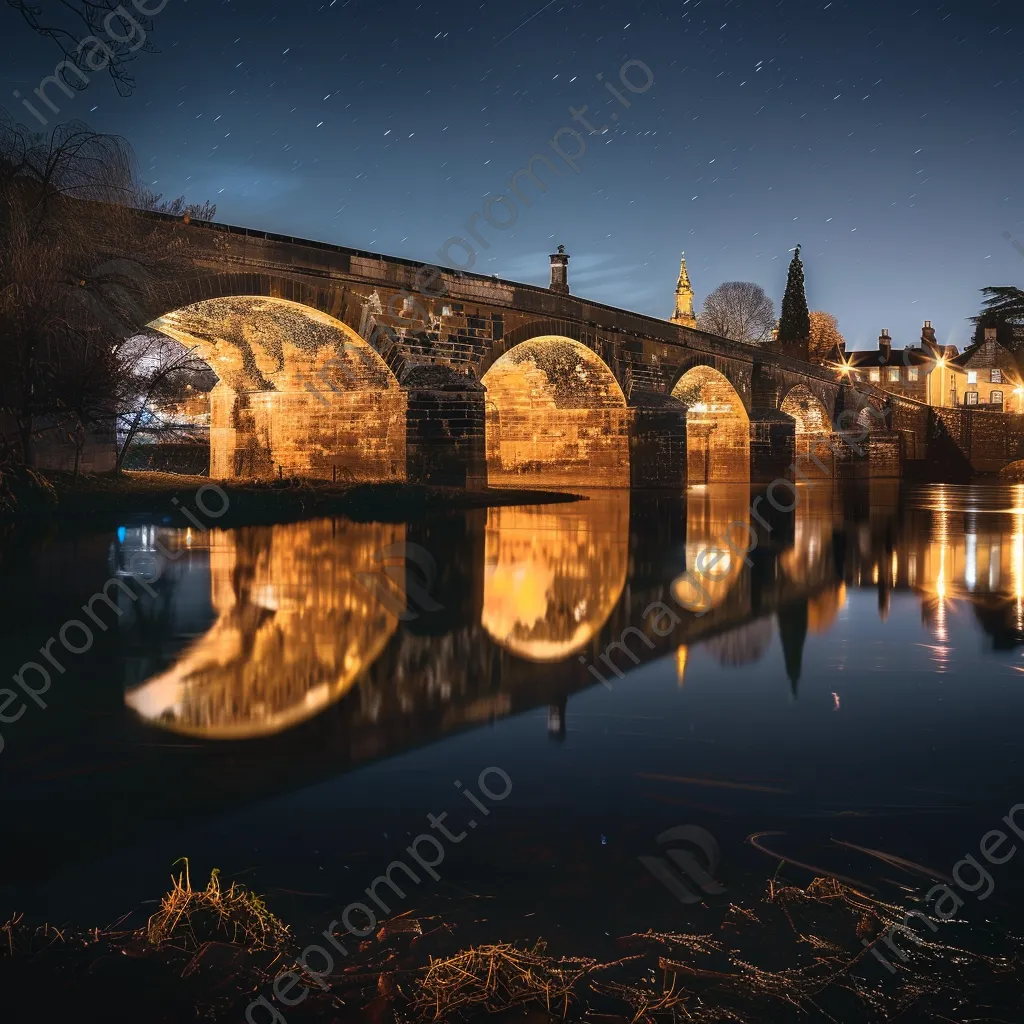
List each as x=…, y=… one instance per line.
x=121, y=534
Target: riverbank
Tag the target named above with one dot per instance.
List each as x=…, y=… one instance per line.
x=221, y=953
x=105, y=499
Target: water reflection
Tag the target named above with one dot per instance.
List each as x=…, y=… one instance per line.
x=715, y=541
x=554, y=574
x=958, y=549
x=295, y=626
x=298, y=615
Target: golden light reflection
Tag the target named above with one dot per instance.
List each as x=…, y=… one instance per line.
x=712, y=540
x=823, y=609
x=300, y=615
x=809, y=556
x=553, y=574
x=681, y=656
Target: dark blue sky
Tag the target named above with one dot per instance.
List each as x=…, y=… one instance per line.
x=883, y=136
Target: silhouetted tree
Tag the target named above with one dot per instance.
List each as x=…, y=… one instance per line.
x=1003, y=309
x=154, y=373
x=1006, y=331
x=793, y=635
x=177, y=207
x=740, y=311
x=1005, y=301
x=794, y=322
x=76, y=261
x=93, y=35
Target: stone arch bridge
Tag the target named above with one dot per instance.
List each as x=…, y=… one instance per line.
x=343, y=364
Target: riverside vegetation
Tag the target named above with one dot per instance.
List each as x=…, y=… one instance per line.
x=798, y=954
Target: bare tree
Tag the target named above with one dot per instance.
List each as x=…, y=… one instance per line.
x=154, y=373
x=93, y=35
x=76, y=262
x=740, y=311
x=177, y=207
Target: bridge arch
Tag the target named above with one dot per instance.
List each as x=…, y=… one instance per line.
x=331, y=300
x=717, y=427
x=299, y=392
x=555, y=413
x=813, y=428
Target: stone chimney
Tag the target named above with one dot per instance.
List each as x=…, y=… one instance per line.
x=560, y=271
x=885, y=344
x=990, y=334
x=928, y=334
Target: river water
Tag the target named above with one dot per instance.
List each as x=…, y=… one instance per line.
x=291, y=702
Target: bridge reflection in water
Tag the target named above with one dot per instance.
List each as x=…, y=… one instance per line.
x=295, y=627
x=311, y=639
x=554, y=574
x=276, y=657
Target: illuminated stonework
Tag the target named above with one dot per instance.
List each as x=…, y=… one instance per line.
x=812, y=425
x=296, y=624
x=556, y=417
x=300, y=393
x=553, y=574
x=717, y=428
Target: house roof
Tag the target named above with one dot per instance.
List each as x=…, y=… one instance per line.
x=963, y=360
x=915, y=355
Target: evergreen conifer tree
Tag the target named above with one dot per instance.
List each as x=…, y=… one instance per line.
x=795, y=321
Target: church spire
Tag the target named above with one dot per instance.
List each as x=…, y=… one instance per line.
x=684, y=298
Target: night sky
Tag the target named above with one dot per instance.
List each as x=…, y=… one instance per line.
x=883, y=136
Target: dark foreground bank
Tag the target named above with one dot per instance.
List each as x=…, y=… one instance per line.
x=28, y=496
x=219, y=953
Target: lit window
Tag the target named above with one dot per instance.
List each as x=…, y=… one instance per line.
x=894, y=373
x=875, y=374
x=996, y=398
x=911, y=373
x=971, y=398
x=972, y=376
x=996, y=377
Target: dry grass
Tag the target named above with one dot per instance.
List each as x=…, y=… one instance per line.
x=798, y=954
x=493, y=978
x=189, y=918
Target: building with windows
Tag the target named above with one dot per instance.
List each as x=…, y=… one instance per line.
x=985, y=374
x=902, y=371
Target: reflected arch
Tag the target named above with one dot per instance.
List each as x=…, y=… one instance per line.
x=553, y=574
x=556, y=416
x=299, y=392
x=813, y=453
x=717, y=427
x=716, y=538
x=301, y=610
